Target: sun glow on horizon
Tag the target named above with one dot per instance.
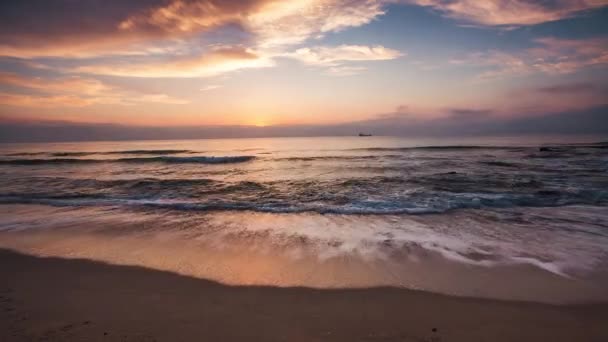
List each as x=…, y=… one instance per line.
x=260, y=121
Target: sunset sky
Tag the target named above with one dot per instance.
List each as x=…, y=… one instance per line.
x=303, y=63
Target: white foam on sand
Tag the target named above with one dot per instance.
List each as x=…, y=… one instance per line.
x=465, y=253
x=461, y=237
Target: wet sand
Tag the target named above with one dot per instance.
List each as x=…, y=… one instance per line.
x=54, y=299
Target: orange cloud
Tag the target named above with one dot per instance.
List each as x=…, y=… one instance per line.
x=68, y=84
x=218, y=61
x=72, y=92
x=226, y=59
x=22, y=100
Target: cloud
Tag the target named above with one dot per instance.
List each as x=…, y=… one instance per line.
x=83, y=29
x=44, y=101
x=333, y=56
x=218, y=61
x=571, y=88
x=273, y=23
x=469, y=112
x=72, y=91
x=342, y=70
x=183, y=17
x=464, y=122
x=65, y=28
x=67, y=84
x=223, y=59
x=280, y=23
x=211, y=87
x=156, y=98
x=515, y=103
x=162, y=38
x=554, y=98
x=560, y=56
x=509, y=12
x=549, y=56
x=409, y=115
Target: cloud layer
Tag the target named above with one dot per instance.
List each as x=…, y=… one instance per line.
x=510, y=12
x=550, y=56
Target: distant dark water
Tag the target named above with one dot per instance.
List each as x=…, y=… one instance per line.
x=511, y=197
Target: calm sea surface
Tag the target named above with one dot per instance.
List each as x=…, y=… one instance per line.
x=458, y=217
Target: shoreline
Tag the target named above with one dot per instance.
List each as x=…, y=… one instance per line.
x=283, y=250
x=58, y=299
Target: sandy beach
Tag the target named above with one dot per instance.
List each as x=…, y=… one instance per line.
x=54, y=299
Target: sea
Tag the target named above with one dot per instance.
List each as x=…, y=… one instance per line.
x=509, y=218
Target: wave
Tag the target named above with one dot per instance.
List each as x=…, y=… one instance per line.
x=51, y=161
x=195, y=160
x=336, y=158
x=72, y=154
x=149, y=152
x=83, y=201
x=92, y=153
x=498, y=163
x=544, y=148
x=438, y=148
x=248, y=198
x=162, y=159
x=17, y=154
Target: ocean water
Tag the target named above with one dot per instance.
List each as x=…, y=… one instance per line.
x=507, y=218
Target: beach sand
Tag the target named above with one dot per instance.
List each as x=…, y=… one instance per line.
x=54, y=299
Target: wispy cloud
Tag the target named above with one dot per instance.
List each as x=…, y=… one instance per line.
x=336, y=58
x=215, y=62
x=211, y=87
x=570, y=88
x=342, y=70
x=72, y=91
x=509, y=12
x=280, y=23
x=550, y=56
x=552, y=98
x=44, y=101
x=333, y=56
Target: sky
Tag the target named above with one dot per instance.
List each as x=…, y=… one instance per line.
x=114, y=69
